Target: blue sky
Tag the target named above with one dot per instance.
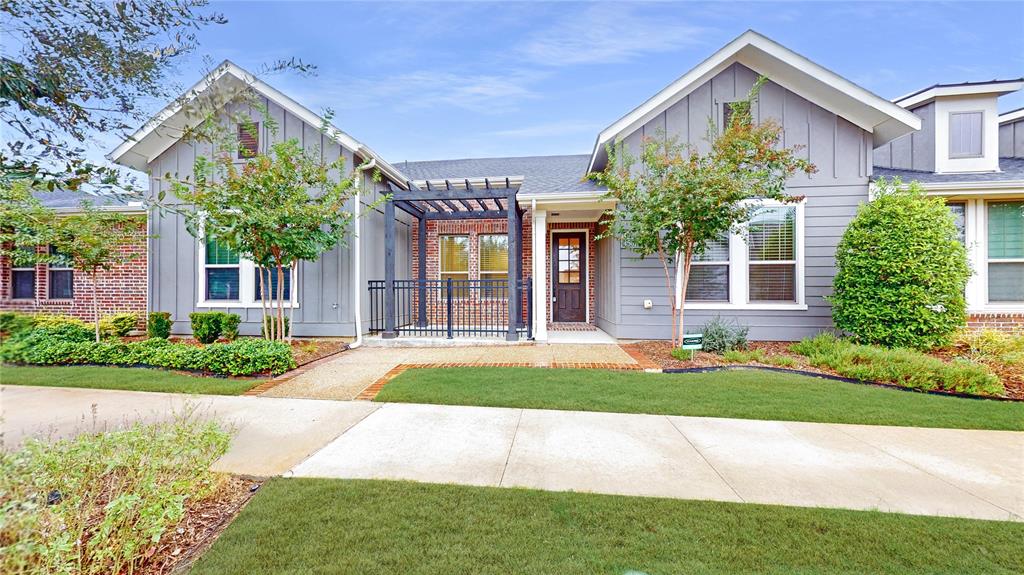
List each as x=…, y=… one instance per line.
x=453, y=80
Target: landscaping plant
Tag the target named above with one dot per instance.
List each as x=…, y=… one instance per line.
x=721, y=335
x=229, y=326
x=680, y=198
x=206, y=325
x=102, y=503
x=900, y=366
x=901, y=271
x=159, y=324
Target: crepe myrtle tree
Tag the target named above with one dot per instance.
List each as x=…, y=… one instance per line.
x=281, y=207
x=678, y=199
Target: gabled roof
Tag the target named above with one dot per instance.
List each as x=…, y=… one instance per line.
x=925, y=95
x=1011, y=116
x=161, y=131
x=786, y=68
x=539, y=174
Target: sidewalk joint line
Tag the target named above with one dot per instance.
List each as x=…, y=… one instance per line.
x=333, y=439
x=512, y=444
x=706, y=460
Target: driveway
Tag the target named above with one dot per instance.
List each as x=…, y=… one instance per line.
x=966, y=473
x=355, y=370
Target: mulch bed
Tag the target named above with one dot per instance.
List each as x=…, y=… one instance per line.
x=203, y=523
x=1011, y=376
x=310, y=350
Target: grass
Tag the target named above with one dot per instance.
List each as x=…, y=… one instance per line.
x=746, y=394
x=296, y=526
x=125, y=378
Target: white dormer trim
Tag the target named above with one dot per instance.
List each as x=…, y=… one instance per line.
x=996, y=87
x=1011, y=116
x=786, y=68
x=160, y=132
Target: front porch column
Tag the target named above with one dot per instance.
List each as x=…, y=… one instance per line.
x=514, y=252
x=389, y=271
x=540, y=275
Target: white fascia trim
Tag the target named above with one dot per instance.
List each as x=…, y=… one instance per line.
x=724, y=57
x=750, y=306
x=1011, y=116
x=974, y=188
x=280, y=98
x=596, y=196
x=999, y=88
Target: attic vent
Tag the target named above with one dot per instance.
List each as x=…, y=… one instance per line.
x=248, y=139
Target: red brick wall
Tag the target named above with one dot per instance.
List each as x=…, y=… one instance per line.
x=120, y=289
x=997, y=321
x=473, y=228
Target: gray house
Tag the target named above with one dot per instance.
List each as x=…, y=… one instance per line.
x=509, y=246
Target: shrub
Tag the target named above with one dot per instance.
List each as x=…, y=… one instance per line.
x=273, y=327
x=206, y=325
x=721, y=336
x=242, y=357
x=159, y=324
x=53, y=320
x=121, y=324
x=900, y=366
x=748, y=356
x=229, y=325
x=13, y=322
x=901, y=271
x=103, y=502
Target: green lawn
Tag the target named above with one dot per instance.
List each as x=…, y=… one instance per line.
x=129, y=378
x=747, y=394
x=296, y=526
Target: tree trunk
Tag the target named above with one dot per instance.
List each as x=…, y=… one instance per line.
x=291, y=301
x=685, y=261
x=668, y=287
x=95, y=304
x=280, y=298
x=263, y=304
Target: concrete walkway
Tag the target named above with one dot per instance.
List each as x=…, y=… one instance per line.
x=978, y=474
x=355, y=370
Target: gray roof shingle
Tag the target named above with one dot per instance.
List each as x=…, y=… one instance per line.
x=64, y=199
x=1012, y=170
x=541, y=174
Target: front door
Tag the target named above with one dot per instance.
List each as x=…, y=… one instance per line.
x=569, y=276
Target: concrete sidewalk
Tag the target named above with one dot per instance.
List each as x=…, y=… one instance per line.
x=964, y=473
x=977, y=474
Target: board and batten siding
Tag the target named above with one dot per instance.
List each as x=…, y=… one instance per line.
x=1011, y=139
x=842, y=154
x=325, y=296
x=913, y=151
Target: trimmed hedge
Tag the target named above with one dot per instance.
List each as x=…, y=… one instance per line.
x=67, y=345
x=900, y=366
x=159, y=324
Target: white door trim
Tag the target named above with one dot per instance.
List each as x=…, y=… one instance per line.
x=547, y=253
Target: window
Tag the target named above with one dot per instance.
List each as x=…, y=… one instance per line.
x=455, y=259
x=959, y=211
x=727, y=112
x=494, y=264
x=569, y=260
x=270, y=282
x=61, y=276
x=709, y=273
x=965, y=134
x=248, y=140
x=222, y=267
x=23, y=278
x=771, y=249
x=1006, y=251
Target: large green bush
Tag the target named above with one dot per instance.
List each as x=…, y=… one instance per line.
x=902, y=271
x=69, y=347
x=206, y=325
x=159, y=324
x=900, y=366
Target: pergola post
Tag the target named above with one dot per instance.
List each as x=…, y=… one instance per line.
x=389, y=270
x=519, y=264
x=514, y=240
x=422, y=275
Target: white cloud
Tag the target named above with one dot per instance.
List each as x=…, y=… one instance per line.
x=608, y=33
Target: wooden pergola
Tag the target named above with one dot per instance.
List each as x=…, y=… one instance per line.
x=458, y=200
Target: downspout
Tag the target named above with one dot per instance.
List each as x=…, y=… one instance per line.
x=356, y=256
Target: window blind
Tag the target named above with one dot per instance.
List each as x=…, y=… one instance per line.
x=709, y=272
x=771, y=246
x=1006, y=252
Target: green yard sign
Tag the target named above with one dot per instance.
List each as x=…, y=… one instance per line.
x=693, y=341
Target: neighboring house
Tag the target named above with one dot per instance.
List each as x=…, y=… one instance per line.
x=58, y=289
x=457, y=237
x=973, y=157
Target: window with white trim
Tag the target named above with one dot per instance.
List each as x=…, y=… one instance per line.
x=222, y=273
x=709, y=272
x=772, y=260
x=229, y=280
x=1005, y=254
x=61, y=278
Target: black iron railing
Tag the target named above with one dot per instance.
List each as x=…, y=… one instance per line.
x=452, y=308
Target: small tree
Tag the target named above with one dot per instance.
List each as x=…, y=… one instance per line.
x=92, y=241
x=679, y=198
x=24, y=224
x=280, y=208
x=902, y=270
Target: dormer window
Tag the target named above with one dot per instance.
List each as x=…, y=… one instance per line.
x=965, y=134
x=248, y=140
